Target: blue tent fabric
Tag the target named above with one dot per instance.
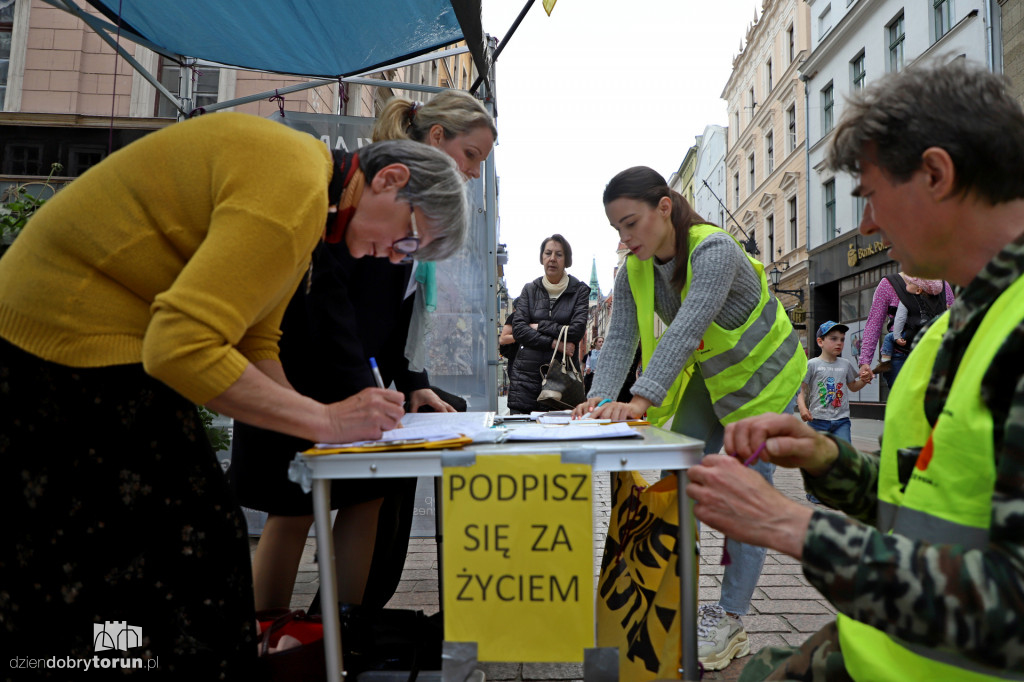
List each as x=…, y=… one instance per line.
x=325, y=38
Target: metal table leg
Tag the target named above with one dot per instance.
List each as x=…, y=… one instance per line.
x=328, y=578
x=687, y=582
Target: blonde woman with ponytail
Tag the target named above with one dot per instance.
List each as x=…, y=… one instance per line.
x=453, y=121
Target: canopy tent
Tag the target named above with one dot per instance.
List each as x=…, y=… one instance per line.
x=336, y=40
x=301, y=37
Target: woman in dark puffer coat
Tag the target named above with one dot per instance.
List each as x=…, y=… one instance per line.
x=546, y=305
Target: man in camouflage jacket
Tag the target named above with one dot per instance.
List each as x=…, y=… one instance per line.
x=939, y=156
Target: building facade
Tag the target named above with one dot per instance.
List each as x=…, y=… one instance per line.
x=682, y=180
x=765, y=165
x=1011, y=26
x=709, y=176
x=853, y=44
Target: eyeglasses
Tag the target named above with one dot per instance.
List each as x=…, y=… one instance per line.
x=407, y=246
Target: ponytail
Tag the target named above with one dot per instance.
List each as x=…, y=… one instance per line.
x=395, y=120
x=455, y=111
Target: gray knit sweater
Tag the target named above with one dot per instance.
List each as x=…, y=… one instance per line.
x=725, y=289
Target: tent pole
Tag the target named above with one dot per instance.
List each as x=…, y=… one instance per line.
x=319, y=83
x=501, y=45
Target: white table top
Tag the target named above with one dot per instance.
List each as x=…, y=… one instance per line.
x=656, y=449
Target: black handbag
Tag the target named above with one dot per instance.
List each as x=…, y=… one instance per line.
x=561, y=386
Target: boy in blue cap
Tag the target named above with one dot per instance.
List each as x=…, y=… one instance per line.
x=830, y=378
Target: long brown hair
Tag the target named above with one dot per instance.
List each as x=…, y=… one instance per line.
x=647, y=185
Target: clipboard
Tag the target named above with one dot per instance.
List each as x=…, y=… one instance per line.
x=385, y=446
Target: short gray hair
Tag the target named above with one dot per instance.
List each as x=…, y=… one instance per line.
x=959, y=107
x=436, y=187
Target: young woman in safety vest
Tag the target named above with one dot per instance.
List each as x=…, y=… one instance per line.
x=729, y=352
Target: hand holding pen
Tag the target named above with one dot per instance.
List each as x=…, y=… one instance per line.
x=782, y=439
x=375, y=370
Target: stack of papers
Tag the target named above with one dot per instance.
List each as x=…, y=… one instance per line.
x=573, y=431
x=426, y=427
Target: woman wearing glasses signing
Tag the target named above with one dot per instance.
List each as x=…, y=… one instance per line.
x=155, y=281
x=356, y=308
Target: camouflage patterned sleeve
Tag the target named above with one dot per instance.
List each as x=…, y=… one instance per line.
x=851, y=485
x=939, y=595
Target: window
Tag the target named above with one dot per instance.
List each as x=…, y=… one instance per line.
x=769, y=236
x=736, y=185
x=827, y=103
x=830, y=210
x=856, y=292
x=205, y=83
x=791, y=37
x=943, y=17
x=6, y=30
x=751, y=103
x=736, y=125
x=824, y=21
x=768, y=75
x=857, y=73
x=750, y=168
x=896, y=36
x=791, y=212
x=83, y=157
x=24, y=158
x=859, y=204
x=769, y=152
x=791, y=128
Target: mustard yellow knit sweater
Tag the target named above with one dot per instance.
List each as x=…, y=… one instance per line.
x=179, y=251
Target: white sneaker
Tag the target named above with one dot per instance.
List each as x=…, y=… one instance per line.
x=720, y=637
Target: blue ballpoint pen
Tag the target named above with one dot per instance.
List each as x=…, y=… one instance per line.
x=376, y=373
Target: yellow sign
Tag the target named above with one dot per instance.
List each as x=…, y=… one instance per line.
x=549, y=5
x=519, y=558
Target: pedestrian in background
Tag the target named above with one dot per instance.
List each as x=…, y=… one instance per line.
x=891, y=290
x=548, y=303
x=590, y=362
x=829, y=381
x=827, y=377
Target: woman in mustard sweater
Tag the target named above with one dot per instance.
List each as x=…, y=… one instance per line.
x=155, y=281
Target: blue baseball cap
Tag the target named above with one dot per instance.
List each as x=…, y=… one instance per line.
x=826, y=327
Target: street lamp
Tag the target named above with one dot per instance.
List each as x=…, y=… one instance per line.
x=776, y=275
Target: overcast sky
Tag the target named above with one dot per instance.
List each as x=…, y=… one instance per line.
x=597, y=87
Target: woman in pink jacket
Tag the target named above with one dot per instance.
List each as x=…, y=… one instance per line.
x=920, y=307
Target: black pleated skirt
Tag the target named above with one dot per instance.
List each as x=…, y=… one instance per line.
x=117, y=511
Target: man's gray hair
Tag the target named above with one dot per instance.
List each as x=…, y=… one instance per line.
x=959, y=107
x=436, y=187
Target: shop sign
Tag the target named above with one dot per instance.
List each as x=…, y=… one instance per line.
x=856, y=255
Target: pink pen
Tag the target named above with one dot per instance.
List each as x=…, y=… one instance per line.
x=726, y=559
x=757, y=453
